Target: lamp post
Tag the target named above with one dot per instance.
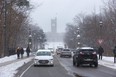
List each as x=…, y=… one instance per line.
x=30, y=39
x=78, y=37
x=34, y=41
x=114, y=30
x=100, y=37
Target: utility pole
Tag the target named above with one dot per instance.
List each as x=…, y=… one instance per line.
x=4, y=28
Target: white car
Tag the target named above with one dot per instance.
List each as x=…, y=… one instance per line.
x=43, y=57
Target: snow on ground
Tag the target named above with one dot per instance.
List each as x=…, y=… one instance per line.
x=108, y=62
x=9, y=58
x=11, y=69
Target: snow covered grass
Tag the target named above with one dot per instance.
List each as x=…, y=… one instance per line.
x=108, y=62
x=10, y=58
x=11, y=69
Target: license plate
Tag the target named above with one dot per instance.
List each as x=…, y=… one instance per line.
x=88, y=59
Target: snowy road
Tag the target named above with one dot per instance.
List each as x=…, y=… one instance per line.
x=86, y=71
x=46, y=71
x=9, y=66
x=64, y=68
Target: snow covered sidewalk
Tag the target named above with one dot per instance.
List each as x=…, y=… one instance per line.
x=108, y=62
x=9, y=65
x=10, y=59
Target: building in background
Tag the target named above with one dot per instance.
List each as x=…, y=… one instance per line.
x=53, y=35
x=54, y=25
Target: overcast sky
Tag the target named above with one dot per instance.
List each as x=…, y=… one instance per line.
x=64, y=10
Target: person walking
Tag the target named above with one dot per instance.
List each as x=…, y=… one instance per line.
x=22, y=52
x=18, y=52
x=28, y=51
x=114, y=52
x=100, y=52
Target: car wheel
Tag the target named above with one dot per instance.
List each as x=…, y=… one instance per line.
x=77, y=64
x=35, y=65
x=90, y=65
x=96, y=64
x=52, y=65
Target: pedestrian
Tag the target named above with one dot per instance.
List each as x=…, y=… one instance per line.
x=28, y=51
x=18, y=52
x=100, y=52
x=22, y=52
x=114, y=52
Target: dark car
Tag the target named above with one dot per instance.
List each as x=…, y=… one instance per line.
x=66, y=53
x=85, y=55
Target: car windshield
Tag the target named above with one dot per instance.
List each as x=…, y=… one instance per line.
x=60, y=49
x=86, y=50
x=66, y=50
x=43, y=54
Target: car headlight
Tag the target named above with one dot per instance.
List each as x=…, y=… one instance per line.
x=35, y=59
x=51, y=60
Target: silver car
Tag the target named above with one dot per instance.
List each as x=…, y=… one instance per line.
x=66, y=53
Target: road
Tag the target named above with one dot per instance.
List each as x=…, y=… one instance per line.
x=87, y=71
x=45, y=71
x=64, y=68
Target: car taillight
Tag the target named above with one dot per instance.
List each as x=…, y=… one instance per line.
x=81, y=53
x=94, y=53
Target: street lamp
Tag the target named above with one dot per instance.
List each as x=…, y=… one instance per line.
x=30, y=39
x=78, y=37
x=100, y=37
x=101, y=23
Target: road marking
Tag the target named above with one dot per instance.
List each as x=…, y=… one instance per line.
x=25, y=70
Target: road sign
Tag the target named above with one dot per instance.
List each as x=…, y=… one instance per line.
x=100, y=41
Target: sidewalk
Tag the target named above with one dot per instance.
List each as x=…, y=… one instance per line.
x=11, y=59
x=108, y=62
x=9, y=65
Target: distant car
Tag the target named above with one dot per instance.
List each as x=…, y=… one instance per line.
x=58, y=51
x=66, y=53
x=43, y=57
x=85, y=55
x=73, y=51
x=52, y=50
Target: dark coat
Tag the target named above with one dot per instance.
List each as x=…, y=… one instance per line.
x=28, y=50
x=100, y=50
x=22, y=51
x=114, y=50
x=18, y=51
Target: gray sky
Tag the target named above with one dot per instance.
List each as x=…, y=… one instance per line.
x=64, y=10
